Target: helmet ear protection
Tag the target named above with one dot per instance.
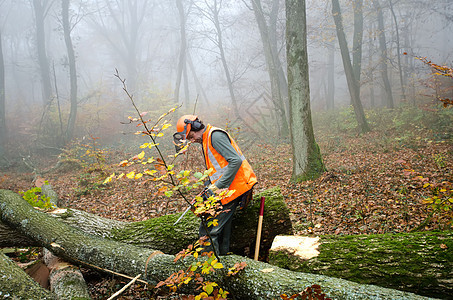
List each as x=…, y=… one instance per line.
x=196, y=125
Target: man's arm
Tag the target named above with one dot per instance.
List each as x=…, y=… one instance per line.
x=222, y=144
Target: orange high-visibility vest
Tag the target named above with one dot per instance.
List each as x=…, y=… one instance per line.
x=245, y=177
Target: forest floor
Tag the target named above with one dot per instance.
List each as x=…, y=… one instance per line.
x=397, y=178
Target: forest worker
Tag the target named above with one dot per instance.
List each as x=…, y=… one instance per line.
x=230, y=170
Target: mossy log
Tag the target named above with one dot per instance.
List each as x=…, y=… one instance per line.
x=258, y=280
x=160, y=233
x=418, y=262
x=66, y=280
x=16, y=284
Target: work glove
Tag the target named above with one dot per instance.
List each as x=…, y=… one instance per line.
x=212, y=190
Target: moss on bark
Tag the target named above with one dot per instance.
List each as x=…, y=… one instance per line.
x=16, y=284
x=413, y=262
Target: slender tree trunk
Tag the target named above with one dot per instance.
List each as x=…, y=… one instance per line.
x=352, y=82
x=357, y=41
x=3, y=129
x=330, y=99
x=72, y=70
x=272, y=66
x=39, y=8
x=133, y=43
x=198, y=86
x=215, y=17
x=371, y=49
x=307, y=161
x=283, y=83
x=383, y=61
x=182, y=51
x=398, y=53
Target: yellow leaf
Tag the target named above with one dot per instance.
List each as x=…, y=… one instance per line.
x=123, y=163
x=426, y=185
x=428, y=200
x=188, y=279
x=108, y=179
x=138, y=175
x=144, y=145
x=141, y=155
x=160, y=134
x=131, y=175
x=121, y=175
x=148, y=172
x=166, y=126
x=218, y=266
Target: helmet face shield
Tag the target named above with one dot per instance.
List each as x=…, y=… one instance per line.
x=179, y=140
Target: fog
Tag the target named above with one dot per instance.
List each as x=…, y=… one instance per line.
x=222, y=65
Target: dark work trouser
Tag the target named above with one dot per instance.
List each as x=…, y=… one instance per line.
x=221, y=233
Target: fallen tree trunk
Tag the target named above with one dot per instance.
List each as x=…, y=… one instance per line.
x=419, y=262
x=257, y=281
x=161, y=234
x=66, y=280
x=14, y=282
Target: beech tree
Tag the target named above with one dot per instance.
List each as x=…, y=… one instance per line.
x=182, y=63
x=307, y=161
x=3, y=131
x=279, y=87
x=353, y=85
x=383, y=51
x=357, y=40
x=41, y=10
x=72, y=68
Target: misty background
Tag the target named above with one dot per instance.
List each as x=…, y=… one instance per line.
x=207, y=56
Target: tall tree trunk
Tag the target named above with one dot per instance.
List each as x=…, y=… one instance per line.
x=93, y=252
x=182, y=51
x=398, y=52
x=40, y=15
x=383, y=61
x=307, y=161
x=72, y=69
x=198, y=86
x=350, y=78
x=215, y=9
x=330, y=99
x=3, y=130
x=128, y=19
x=283, y=83
x=357, y=41
x=272, y=67
x=371, y=49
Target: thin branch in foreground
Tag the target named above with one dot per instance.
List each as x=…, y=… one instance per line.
x=124, y=287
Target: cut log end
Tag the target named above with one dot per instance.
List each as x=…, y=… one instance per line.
x=303, y=247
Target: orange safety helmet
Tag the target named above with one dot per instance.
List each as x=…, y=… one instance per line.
x=184, y=127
